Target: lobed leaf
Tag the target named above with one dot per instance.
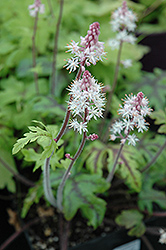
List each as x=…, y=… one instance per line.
x=37, y=133
x=79, y=193
x=132, y=219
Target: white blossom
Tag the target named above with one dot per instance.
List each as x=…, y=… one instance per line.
x=36, y=7
x=132, y=139
x=87, y=100
x=127, y=63
x=89, y=52
x=162, y=239
x=133, y=111
x=123, y=23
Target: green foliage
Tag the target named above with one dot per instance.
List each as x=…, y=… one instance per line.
x=160, y=118
x=80, y=193
x=34, y=195
x=37, y=133
x=20, y=104
x=152, y=85
x=6, y=177
x=132, y=219
x=99, y=156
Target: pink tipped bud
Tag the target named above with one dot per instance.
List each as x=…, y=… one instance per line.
x=124, y=7
x=92, y=137
x=92, y=35
x=68, y=156
x=86, y=79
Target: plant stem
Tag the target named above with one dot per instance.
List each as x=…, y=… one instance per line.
x=16, y=234
x=67, y=174
x=46, y=181
x=46, y=171
x=16, y=175
x=156, y=214
x=154, y=158
x=64, y=125
x=34, y=53
x=114, y=81
x=53, y=86
x=147, y=242
x=64, y=227
x=111, y=174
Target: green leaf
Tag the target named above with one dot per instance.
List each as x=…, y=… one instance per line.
x=160, y=118
x=129, y=218
x=35, y=134
x=132, y=219
x=79, y=193
x=6, y=177
x=98, y=156
x=152, y=85
x=149, y=196
x=137, y=230
x=162, y=129
x=33, y=196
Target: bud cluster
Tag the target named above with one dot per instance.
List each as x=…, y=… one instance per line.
x=133, y=112
x=89, y=52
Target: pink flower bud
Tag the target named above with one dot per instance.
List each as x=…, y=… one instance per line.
x=92, y=137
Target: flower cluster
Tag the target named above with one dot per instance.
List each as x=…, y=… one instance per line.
x=133, y=112
x=86, y=101
x=162, y=239
x=123, y=22
x=36, y=7
x=89, y=52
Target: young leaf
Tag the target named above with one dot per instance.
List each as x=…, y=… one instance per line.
x=35, y=134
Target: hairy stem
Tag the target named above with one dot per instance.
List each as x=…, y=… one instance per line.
x=34, y=53
x=46, y=171
x=16, y=175
x=154, y=158
x=55, y=51
x=111, y=174
x=67, y=174
x=47, y=185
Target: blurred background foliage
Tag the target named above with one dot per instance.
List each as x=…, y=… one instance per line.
x=20, y=104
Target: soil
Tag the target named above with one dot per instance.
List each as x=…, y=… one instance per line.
x=47, y=232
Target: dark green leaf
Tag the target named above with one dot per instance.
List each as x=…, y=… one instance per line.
x=80, y=192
